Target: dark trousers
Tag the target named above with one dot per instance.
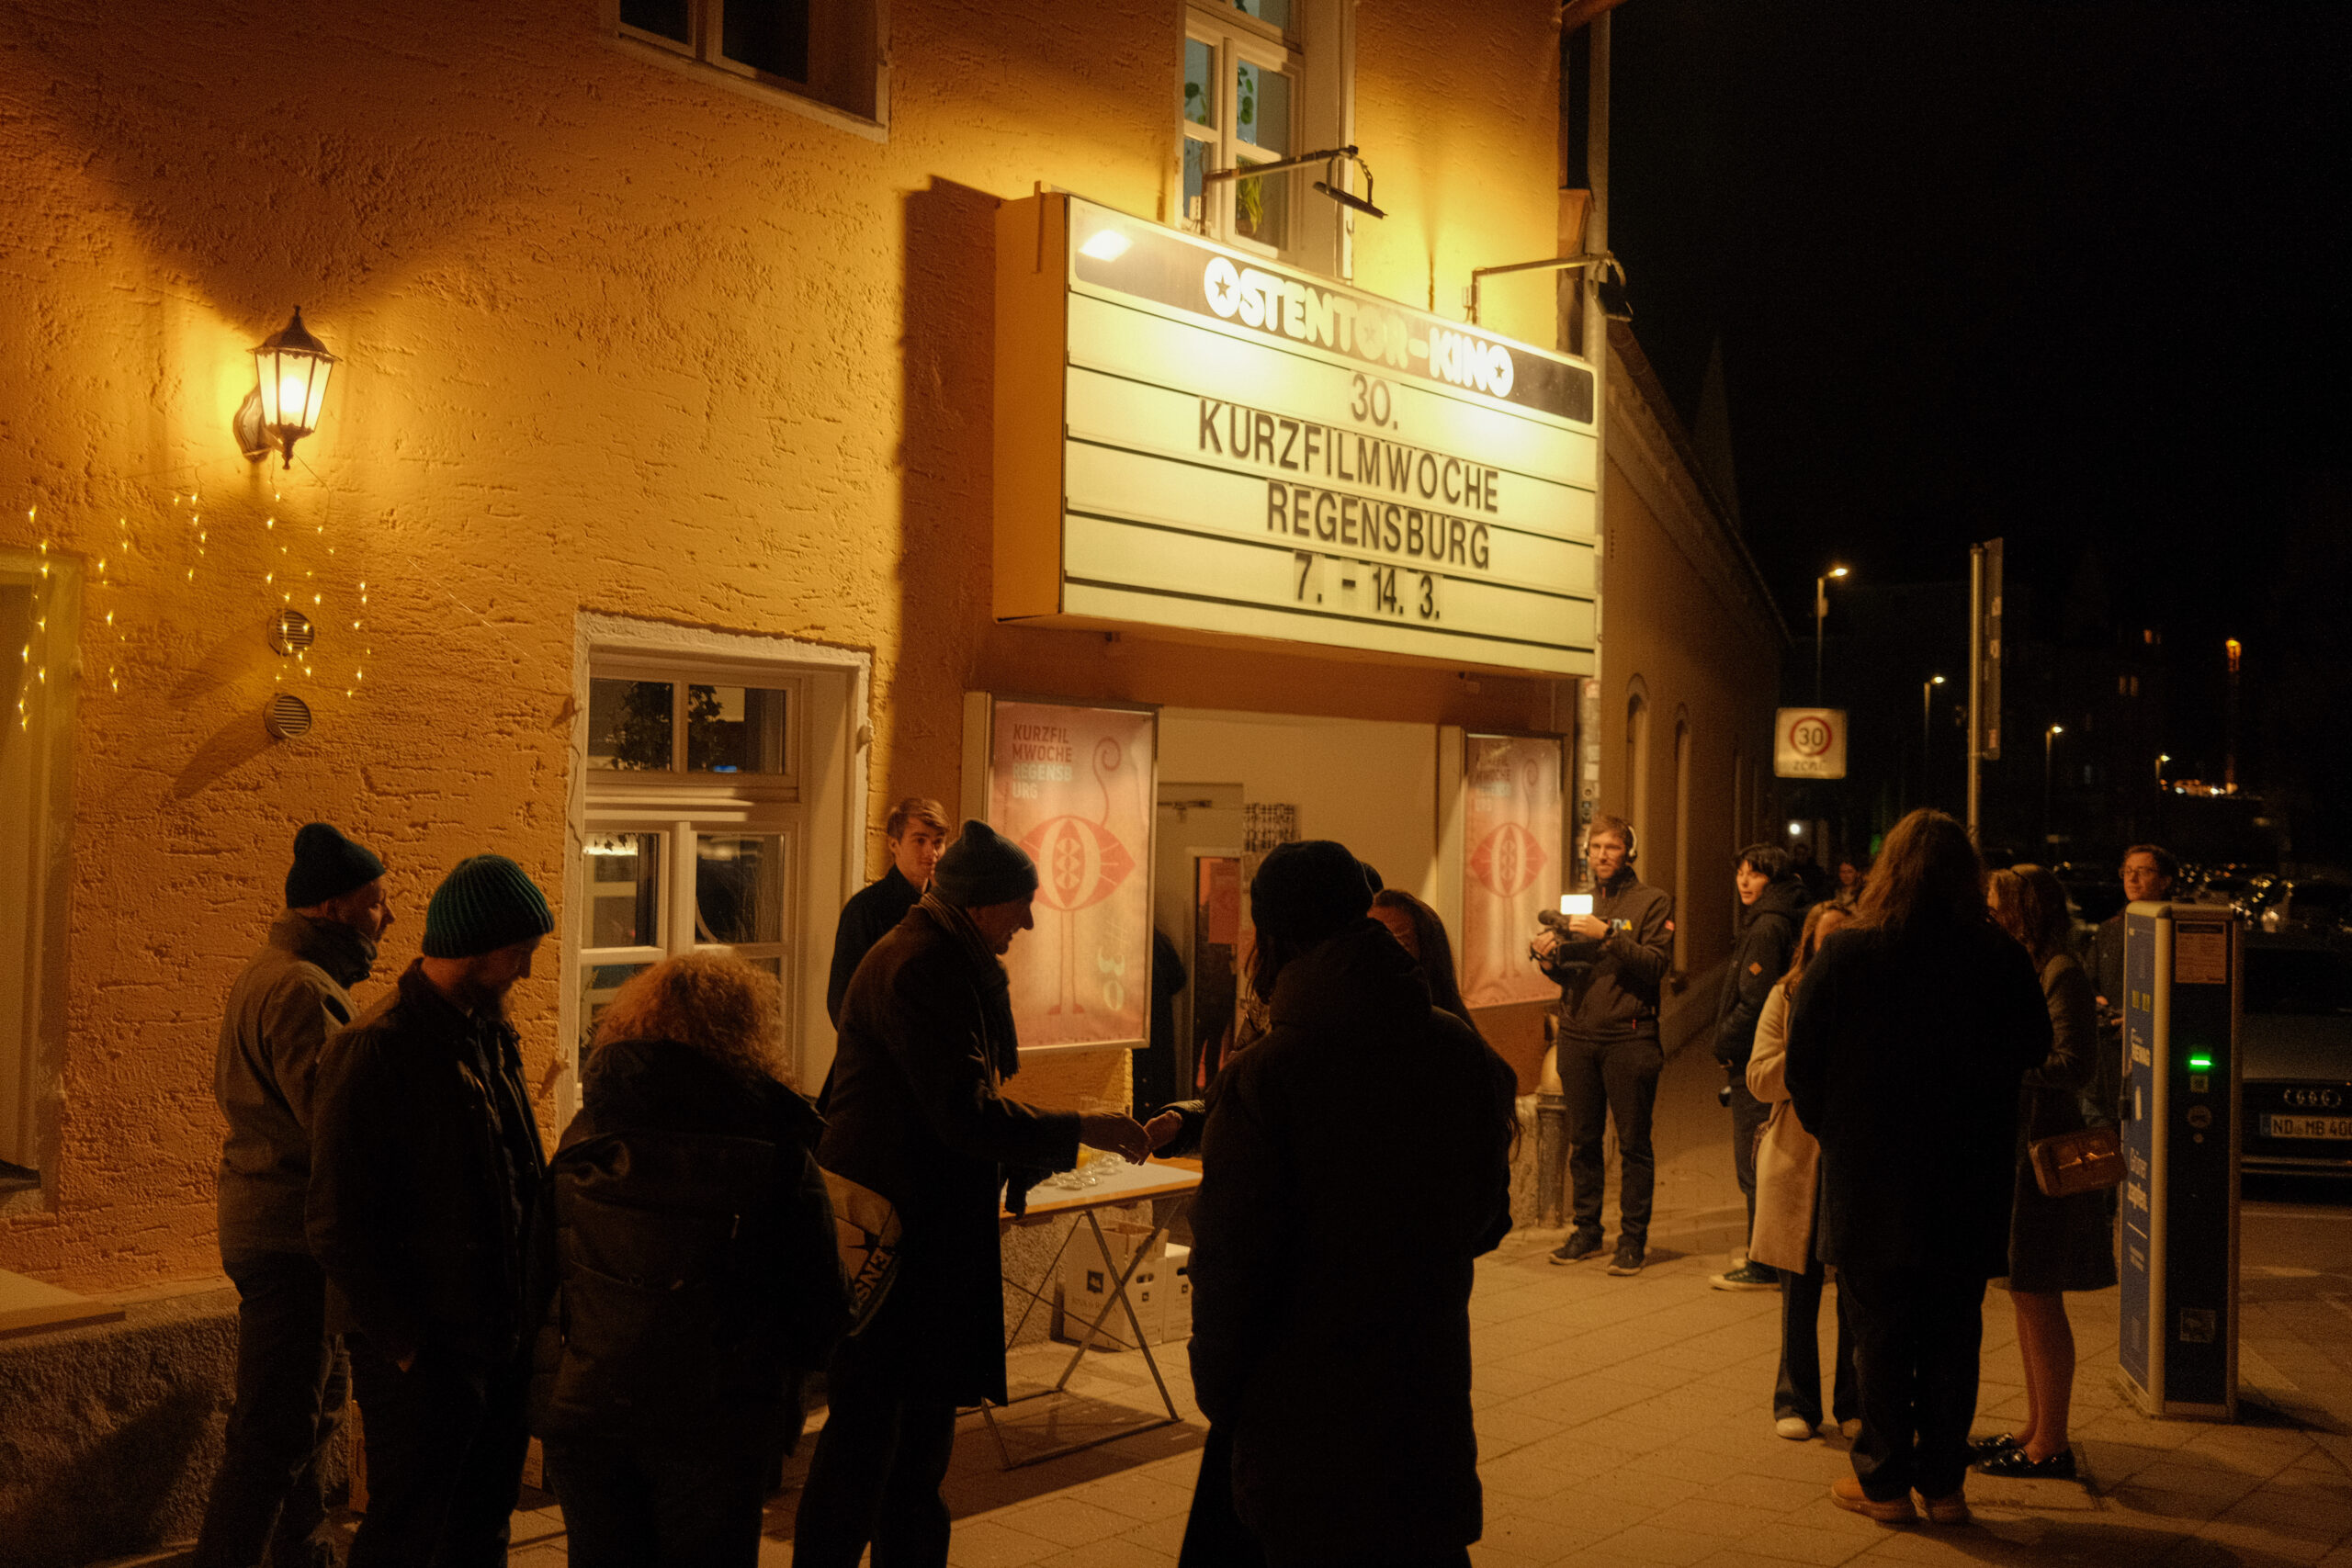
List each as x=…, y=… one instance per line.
x=292, y=1383
x=874, y=1478
x=1617, y=1079
x=1748, y=1115
x=638, y=1502
x=445, y=1458
x=1215, y=1536
x=1917, y=1333
x=1799, y=1393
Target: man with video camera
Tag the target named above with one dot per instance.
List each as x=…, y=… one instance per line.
x=1608, y=964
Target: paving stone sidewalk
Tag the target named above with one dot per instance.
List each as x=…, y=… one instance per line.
x=1627, y=1423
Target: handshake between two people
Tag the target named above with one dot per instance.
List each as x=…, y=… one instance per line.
x=1116, y=1132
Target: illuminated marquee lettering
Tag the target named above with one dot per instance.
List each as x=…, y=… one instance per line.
x=1306, y=447
x=1360, y=523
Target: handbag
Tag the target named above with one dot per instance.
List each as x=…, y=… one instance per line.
x=2090, y=1160
x=868, y=1232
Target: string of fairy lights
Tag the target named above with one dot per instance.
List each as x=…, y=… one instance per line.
x=296, y=559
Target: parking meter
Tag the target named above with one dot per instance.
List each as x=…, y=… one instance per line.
x=2177, y=1348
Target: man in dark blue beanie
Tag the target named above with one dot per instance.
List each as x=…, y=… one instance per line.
x=290, y=1376
x=425, y=1166
x=918, y=1115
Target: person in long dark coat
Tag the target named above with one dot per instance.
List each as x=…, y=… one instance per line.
x=1908, y=1039
x=918, y=1114
x=2056, y=1245
x=1354, y=1163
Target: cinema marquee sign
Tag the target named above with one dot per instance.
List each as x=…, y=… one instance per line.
x=1189, y=437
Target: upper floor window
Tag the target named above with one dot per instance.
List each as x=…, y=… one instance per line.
x=827, y=52
x=1243, y=103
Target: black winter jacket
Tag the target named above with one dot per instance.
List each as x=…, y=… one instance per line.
x=424, y=1164
x=915, y=1113
x=1757, y=965
x=872, y=913
x=1356, y=1161
x=685, y=1274
x=1619, y=994
x=1906, y=1054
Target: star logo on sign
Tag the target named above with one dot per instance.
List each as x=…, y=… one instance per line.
x=1224, y=290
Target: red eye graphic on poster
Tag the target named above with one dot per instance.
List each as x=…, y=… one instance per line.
x=1073, y=786
x=1510, y=865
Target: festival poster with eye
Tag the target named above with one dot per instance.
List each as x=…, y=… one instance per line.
x=1074, y=787
x=1511, y=815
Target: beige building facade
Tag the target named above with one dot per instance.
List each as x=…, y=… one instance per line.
x=660, y=526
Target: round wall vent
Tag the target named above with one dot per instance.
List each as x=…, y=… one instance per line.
x=291, y=631
x=286, y=716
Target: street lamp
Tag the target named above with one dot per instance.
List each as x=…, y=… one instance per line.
x=2161, y=758
x=2049, y=738
x=1927, y=710
x=1820, y=614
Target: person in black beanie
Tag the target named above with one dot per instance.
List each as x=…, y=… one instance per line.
x=918, y=1114
x=291, y=1378
x=425, y=1165
x=1355, y=1160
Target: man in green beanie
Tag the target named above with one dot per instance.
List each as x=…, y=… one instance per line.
x=425, y=1164
x=918, y=1114
x=291, y=1378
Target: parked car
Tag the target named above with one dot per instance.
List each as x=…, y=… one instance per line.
x=2295, y=1054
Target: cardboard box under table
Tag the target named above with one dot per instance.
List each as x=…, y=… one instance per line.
x=1170, y=1185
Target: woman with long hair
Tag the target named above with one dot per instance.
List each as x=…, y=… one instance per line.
x=1908, y=1039
x=1788, y=1182
x=686, y=1269
x=1421, y=933
x=2056, y=1245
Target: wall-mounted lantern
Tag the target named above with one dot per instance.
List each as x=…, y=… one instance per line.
x=290, y=371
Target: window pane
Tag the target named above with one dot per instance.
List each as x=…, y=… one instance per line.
x=669, y=19
x=624, y=881
x=739, y=887
x=629, y=724
x=1261, y=107
x=734, y=730
x=1261, y=210
x=598, y=982
x=1196, y=163
x=1199, y=83
x=1274, y=11
x=767, y=35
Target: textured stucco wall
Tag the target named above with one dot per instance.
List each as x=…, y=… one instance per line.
x=613, y=339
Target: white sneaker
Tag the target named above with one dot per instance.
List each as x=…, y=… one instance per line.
x=1796, y=1429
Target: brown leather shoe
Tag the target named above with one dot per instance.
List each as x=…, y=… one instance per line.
x=1952, y=1510
x=1848, y=1494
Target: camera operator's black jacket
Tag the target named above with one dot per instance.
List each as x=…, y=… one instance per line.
x=1617, y=994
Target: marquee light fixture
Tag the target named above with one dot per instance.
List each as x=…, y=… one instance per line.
x=1330, y=157
x=1607, y=273
x=290, y=371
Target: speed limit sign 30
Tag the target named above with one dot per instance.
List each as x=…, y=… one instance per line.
x=1809, y=743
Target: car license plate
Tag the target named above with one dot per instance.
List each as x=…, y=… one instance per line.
x=2308, y=1127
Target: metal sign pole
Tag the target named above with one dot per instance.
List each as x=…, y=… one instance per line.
x=1975, y=680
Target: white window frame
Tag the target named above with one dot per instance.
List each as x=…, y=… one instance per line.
x=36, y=785
x=1318, y=52
x=815, y=807
x=848, y=61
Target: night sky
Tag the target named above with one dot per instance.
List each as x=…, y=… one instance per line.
x=2071, y=274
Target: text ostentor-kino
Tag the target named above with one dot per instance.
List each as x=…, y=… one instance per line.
x=1420, y=533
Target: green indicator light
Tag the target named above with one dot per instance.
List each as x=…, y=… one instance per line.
x=2200, y=1061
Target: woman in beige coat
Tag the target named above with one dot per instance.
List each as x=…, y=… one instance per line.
x=1787, y=1177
